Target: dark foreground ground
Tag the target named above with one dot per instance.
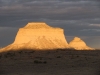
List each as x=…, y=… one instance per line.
x=55, y=62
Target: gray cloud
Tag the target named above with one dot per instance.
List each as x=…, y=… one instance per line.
x=7, y=35
x=77, y=17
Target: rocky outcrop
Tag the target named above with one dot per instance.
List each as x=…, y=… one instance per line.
x=38, y=35
x=79, y=44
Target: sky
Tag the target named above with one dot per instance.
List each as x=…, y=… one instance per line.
x=79, y=18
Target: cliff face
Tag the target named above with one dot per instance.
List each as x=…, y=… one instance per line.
x=79, y=44
x=39, y=36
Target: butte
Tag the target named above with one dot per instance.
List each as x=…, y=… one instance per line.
x=38, y=36
x=79, y=44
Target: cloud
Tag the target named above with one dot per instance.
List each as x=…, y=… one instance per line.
x=98, y=30
x=97, y=25
x=7, y=35
x=77, y=17
x=93, y=41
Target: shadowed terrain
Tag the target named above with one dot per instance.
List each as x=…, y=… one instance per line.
x=50, y=62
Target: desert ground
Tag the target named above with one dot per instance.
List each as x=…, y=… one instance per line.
x=50, y=62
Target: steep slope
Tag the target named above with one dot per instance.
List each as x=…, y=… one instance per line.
x=79, y=44
x=38, y=35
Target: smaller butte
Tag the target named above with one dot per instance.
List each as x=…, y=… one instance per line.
x=38, y=36
x=79, y=44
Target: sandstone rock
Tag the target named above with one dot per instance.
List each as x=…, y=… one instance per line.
x=38, y=35
x=79, y=44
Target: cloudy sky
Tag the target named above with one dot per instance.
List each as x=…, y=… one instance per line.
x=78, y=18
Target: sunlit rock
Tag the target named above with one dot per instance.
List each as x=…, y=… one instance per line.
x=38, y=35
x=79, y=44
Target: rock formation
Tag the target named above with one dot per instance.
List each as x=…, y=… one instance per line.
x=79, y=44
x=38, y=35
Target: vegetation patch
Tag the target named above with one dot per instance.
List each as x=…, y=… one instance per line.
x=58, y=56
x=40, y=62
